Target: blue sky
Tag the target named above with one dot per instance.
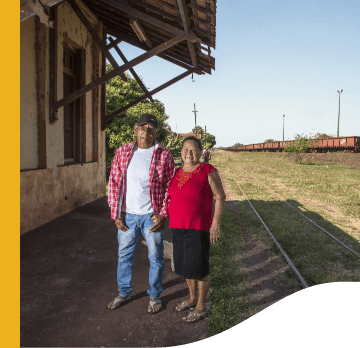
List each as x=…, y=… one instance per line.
x=272, y=58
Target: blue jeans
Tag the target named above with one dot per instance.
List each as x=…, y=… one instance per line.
x=127, y=245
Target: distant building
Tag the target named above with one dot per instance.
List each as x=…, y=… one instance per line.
x=185, y=135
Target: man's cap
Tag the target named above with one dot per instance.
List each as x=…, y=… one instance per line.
x=147, y=118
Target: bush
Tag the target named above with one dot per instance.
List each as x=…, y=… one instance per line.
x=300, y=146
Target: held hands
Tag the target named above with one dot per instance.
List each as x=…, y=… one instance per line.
x=159, y=221
x=214, y=233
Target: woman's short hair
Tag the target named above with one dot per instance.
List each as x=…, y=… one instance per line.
x=192, y=138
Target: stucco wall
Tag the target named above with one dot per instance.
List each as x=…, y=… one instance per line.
x=28, y=105
x=48, y=188
x=47, y=193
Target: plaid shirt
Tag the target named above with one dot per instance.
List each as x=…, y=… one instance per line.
x=162, y=170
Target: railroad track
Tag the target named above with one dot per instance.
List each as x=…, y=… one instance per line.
x=286, y=256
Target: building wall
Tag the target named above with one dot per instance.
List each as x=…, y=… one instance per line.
x=48, y=187
x=28, y=105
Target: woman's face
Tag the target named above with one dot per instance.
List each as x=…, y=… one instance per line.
x=190, y=152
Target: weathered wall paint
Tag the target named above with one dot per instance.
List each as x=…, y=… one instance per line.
x=49, y=188
x=28, y=105
x=47, y=194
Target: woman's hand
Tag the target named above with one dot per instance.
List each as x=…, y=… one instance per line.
x=159, y=222
x=214, y=233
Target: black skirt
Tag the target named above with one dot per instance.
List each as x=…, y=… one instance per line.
x=191, y=253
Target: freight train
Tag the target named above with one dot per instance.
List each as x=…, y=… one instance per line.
x=346, y=144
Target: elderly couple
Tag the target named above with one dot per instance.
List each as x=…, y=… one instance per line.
x=144, y=190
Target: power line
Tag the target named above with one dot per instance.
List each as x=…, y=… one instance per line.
x=323, y=105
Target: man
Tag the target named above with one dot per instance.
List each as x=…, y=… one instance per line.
x=139, y=179
x=206, y=155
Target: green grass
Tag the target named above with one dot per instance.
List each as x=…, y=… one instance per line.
x=228, y=300
x=327, y=194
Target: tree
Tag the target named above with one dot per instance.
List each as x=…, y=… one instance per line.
x=210, y=140
x=300, y=145
x=198, y=130
x=238, y=144
x=269, y=141
x=119, y=130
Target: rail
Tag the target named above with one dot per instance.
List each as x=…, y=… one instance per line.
x=287, y=258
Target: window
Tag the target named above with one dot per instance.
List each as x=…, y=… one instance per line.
x=72, y=111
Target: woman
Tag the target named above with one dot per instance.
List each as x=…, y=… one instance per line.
x=194, y=226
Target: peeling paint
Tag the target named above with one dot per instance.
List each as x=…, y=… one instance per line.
x=56, y=189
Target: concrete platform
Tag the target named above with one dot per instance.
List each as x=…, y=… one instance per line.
x=68, y=275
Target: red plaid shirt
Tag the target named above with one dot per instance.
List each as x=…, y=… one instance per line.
x=162, y=170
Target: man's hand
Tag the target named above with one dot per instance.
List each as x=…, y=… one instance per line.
x=120, y=223
x=159, y=222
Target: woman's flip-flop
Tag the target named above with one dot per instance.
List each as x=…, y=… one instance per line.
x=193, y=317
x=183, y=306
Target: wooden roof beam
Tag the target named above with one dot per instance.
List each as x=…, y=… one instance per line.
x=121, y=6
x=139, y=31
x=136, y=77
x=94, y=84
x=203, y=22
x=186, y=24
x=159, y=11
x=200, y=9
x=96, y=38
x=156, y=90
x=164, y=55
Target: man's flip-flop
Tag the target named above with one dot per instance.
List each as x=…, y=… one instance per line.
x=193, y=317
x=151, y=304
x=116, y=303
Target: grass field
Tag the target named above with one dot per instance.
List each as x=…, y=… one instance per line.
x=328, y=194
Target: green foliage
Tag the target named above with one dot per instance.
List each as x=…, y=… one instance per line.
x=210, y=140
x=238, y=144
x=173, y=144
x=198, y=130
x=269, y=141
x=300, y=145
x=120, y=130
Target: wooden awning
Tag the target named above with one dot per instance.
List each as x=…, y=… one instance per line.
x=179, y=31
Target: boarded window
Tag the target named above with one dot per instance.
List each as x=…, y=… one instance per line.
x=72, y=111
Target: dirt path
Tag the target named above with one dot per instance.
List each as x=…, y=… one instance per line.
x=263, y=289
x=68, y=275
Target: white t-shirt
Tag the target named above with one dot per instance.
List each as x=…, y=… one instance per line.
x=137, y=182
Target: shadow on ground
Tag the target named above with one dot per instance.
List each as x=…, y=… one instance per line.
x=264, y=285
x=68, y=275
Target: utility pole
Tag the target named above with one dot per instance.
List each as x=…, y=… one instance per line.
x=283, y=126
x=205, y=135
x=195, y=119
x=339, y=113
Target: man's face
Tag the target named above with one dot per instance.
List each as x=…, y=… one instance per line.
x=145, y=135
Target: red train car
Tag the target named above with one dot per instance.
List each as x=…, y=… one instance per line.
x=347, y=144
